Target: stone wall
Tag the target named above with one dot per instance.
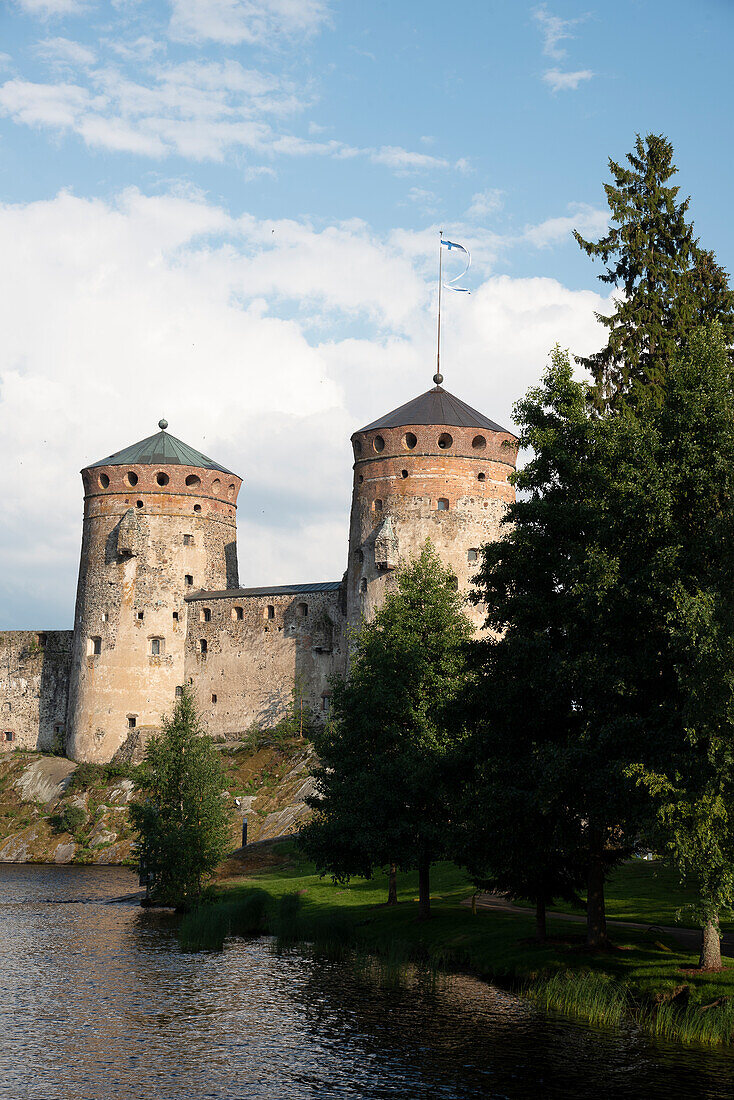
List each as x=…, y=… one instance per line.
x=248, y=649
x=151, y=534
x=34, y=688
x=449, y=484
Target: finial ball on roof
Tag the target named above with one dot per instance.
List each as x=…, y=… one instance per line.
x=438, y=379
x=163, y=424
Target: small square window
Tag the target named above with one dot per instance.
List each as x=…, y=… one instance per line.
x=9, y=735
x=188, y=540
x=188, y=580
x=472, y=555
x=442, y=505
x=132, y=721
x=175, y=616
x=141, y=616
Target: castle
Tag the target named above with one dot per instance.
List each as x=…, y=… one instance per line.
x=159, y=603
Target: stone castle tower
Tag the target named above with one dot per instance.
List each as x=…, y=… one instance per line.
x=159, y=523
x=433, y=468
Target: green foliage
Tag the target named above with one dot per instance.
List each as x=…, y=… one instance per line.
x=70, y=819
x=87, y=775
x=179, y=812
x=669, y=284
x=387, y=775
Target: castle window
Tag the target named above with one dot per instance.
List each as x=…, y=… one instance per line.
x=472, y=555
x=105, y=617
x=157, y=647
x=363, y=584
x=403, y=473
x=94, y=646
x=58, y=729
x=409, y=441
x=193, y=481
x=132, y=721
x=325, y=703
x=377, y=506
x=445, y=441
x=203, y=646
x=302, y=610
x=197, y=507
x=9, y=735
x=479, y=442
x=138, y=504
x=179, y=692
x=140, y=616
x=132, y=478
x=103, y=481
x=378, y=443
x=357, y=447
x=188, y=580
x=188, y=540
x=216, y=485
x=442, y=504
x=175, y=616
x=214, y=698
x=238, y=613
x=162, y=479
x=40, y=640
x=270, y=611
x=205, y=615
x=481, y=477
x=360, y=479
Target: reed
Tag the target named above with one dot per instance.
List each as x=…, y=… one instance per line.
x=206, y=928
x=712, y=1025
x=585, y=994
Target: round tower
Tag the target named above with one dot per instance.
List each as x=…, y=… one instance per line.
x=159, y=523
x=434, y=468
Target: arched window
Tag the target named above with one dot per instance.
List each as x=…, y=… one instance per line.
x=445, y=441
x=481, y=477
x=238, y=614
x=205, y=615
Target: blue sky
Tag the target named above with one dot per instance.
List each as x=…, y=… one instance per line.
x=225, y=211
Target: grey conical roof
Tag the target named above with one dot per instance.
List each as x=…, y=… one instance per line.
x=161, y=449
x=436, y=406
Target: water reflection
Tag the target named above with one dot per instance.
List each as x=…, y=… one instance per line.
x=98, y=1003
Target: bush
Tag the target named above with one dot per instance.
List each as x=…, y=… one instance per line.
x=69, y=820
x=206, y=928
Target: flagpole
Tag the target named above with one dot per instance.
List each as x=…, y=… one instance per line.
x=438, y=377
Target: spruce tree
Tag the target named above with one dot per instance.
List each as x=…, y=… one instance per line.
x=669, y=285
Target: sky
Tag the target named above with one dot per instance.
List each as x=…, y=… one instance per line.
x=226, y=212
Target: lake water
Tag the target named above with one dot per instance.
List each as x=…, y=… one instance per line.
x=99, y=1003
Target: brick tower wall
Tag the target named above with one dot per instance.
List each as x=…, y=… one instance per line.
x=400, y=476
x=151, y=534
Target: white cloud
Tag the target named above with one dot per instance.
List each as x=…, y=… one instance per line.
x=585, y=218
x=65, y=52
x=404, y=161
x=563, y=82
x=249, y=21
x=554, y=30
x=485, y=203
x=263, y=343
x=46, y=8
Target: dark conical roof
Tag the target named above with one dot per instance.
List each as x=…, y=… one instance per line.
x=161, y=449
x=436, y=406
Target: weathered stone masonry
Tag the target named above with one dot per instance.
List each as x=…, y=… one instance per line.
x=158, y=603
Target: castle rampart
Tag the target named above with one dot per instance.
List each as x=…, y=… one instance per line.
x=34, y=688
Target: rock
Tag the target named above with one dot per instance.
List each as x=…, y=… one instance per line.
x=65, y=852
x=46, y=779
x=122, y=792
x=101, y=835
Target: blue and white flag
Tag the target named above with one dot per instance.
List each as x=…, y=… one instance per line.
x=459, y=248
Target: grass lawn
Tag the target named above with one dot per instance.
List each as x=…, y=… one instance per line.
x=492, y=945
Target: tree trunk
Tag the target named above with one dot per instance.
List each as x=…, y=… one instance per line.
x=710, y=947
x=596, y=918
x=392, y=885
x=424, y=887
x=540, y=919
